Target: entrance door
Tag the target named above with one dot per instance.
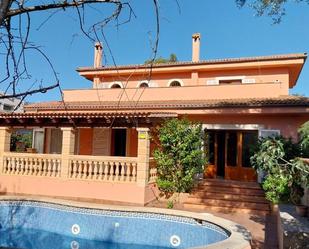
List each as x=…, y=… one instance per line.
x=119, y=137
x=231, y=155
x=221, y=154
x=232, y=151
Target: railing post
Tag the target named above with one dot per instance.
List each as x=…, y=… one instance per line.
x=5, y=143
x=68, y=145
x=143, y=152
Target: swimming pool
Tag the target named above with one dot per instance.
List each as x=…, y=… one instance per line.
x=39, y=224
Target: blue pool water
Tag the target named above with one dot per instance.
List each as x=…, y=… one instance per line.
x=37, y=225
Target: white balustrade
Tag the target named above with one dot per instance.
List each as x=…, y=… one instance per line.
x=152, y=170
x=31, y=164
x=103, y=168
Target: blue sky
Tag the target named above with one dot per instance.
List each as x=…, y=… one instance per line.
x=226, y=30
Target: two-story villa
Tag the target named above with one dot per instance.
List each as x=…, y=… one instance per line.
x=96, y=143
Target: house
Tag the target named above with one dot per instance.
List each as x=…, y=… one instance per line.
x=96, y=144
x=10, y=104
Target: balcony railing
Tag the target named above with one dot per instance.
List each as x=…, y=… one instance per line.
x=103, y=168
x=152, y=170
x=48, y=165
x=80, y=167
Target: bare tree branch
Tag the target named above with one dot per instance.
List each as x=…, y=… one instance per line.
x=59, y=5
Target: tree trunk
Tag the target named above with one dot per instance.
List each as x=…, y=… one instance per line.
x=4, y=7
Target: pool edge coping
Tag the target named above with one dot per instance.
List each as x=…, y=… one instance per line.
x=239, y=239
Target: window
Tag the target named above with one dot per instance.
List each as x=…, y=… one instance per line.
x=175, y=83
x=249, y=143
x=143, y=84
x=268, y=133
x=116, y=85
x=8, y=107
x=232, y=148
x=230, y=81
x=210, y=146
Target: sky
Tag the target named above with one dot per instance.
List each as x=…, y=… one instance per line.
x=226, y=32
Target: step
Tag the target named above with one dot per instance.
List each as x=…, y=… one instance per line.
x=225, y=190
x=230, y=184
x=228, y=203
x=197, y=207
x=231, y=197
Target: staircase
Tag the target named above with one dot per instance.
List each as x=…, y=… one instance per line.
x=228, y=196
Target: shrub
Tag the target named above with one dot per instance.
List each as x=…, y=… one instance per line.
x=275, y=186
x=304, y=139
x=278, y=157
x=179, y=156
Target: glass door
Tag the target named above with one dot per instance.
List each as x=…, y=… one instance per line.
x=231, y=155
x=248, y=140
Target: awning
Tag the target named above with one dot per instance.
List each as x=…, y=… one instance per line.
x=83, y=119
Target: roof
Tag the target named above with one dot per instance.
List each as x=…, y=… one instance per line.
x=82, y=119
x=284, y=101
x=202, y=62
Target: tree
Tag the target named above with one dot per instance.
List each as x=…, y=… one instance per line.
x=161, y=60
x=15, y=29
x=286, y=173
x=272, y=8
x=179, y=156
x=304, y=139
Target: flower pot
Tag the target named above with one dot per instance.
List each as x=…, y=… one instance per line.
x=274, y=208
x=301, y=210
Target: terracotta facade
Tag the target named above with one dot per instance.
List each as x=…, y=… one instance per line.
x=105, y=136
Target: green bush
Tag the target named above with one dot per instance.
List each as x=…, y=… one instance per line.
x=275, y=187
x=285, y=173
x=304, y=139
x=179, y=156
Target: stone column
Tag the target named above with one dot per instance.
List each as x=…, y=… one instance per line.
x=5, y=141
x=68, y=144
x=143, y=152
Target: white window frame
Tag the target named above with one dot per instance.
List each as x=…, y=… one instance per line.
x=269, y=130
x=117, y=83
x=232, y=126
x=34, y=131
x=143, y=82
x=244, y=80
x=172, y=80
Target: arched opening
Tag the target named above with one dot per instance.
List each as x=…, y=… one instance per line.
x=144, y=84
x=116, y=85
x=175, y=83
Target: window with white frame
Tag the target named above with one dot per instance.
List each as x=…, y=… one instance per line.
x=144, y=83
x=115, y=85
x=175, y=83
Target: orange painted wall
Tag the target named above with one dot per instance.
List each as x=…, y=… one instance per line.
x=200, y=78
x=85, y=141
x=121, y=192
x=266, y=90
x=288, y=124
x=132, y=150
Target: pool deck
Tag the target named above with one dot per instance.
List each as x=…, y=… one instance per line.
x=263, y=228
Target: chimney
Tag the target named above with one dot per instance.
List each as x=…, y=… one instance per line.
x=97, y=55
x=196, y=47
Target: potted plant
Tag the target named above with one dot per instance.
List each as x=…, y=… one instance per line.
x=297, y=192
x=275, y=185
x=298, y=178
